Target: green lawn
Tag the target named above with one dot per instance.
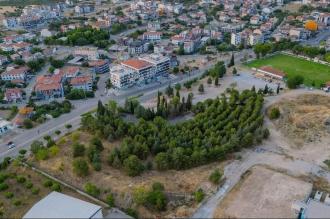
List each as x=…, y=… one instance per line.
x=295, y=66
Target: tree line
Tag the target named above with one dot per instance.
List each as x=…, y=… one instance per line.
x=220, y=126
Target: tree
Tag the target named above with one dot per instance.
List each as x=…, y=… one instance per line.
x=295, y=81
x=209, y=80
x=201, y=88
x=68, y=126
x=80, y=167
x=232, y=61
x=234, y=71
x=36, y=146
x=216, y=81
x=215, y=177
x=266, y=89
x=27, y=123
x=169, y=91
x=133, y=166
x=278, y=89
x=161, y=161
x=57, y=132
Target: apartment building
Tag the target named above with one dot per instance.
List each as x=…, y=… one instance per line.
x=15, y=74
x=141, y=70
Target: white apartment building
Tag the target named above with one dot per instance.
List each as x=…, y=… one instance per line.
x=236, y=39
x=15, y=74
x=139, y=71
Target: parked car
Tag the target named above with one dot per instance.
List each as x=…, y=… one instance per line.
x=11, y=145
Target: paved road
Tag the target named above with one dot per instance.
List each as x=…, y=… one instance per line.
x=318, y=39
x=24, y=139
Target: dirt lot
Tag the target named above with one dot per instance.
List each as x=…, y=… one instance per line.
x=121, y=185
x=305, y=118
x=263, y=193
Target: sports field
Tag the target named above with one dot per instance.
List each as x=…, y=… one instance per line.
x=311, y=71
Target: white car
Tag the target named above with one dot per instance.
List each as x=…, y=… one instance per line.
x=11, y=145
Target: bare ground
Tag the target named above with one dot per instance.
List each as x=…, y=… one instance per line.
x=263, y=193
x=110, y=179
x=303, y=129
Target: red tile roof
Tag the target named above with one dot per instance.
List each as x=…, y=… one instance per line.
x=17, y=71
x=81, y=80
x=272, y=70
x=97, y=63
x=48, y=82
x=136, y=64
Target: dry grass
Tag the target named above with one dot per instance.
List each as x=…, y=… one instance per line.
x=303, y=118
x=263, y=193
x=109, y=178
x=24, y=194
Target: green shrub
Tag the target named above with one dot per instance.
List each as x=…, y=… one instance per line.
x=35, y=191
x=199, y=195
x=20, y=179
x=92, y=190
x=215, y=177
x=42, y=154
x=28, y=185
x=53, y=150
x=3, y=186
x=9, y=195
x=110, y=200
x=133, y=166
x=78, y=150
x=56, y=187
x=17, y=202
x=48, y=183
x=274, y=113
x=80, y=167
x=3, y=177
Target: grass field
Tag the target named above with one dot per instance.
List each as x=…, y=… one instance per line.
x=295, y=66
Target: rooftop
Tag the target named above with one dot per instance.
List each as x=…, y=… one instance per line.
x=58, y=205
x=136, y=64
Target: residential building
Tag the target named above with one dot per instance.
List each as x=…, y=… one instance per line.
x=137, y=47
x=3, y=60
x=84, y=82
x=152, y=36
x=59, y=205
x=139, y=71
x=10, y=22
x=49, y=86
x=236, y=39
x=99, y=66
x=13, y=95
x=4, y=126
x=254, y=38
x=15, y=74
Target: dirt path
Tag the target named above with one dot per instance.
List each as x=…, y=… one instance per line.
x=273, y=153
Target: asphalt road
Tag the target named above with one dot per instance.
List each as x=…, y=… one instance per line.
x=24, y=139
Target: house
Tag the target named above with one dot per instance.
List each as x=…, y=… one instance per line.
x=15, y=74
x=59, y=205
x=272, y=72
x=67, y=72
x=84, y=82
x=99, y=66
x=152, y=36
x=3, y=60
x=137, y=47
x=4, y=126
x=13, y=95
x=49, y=86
